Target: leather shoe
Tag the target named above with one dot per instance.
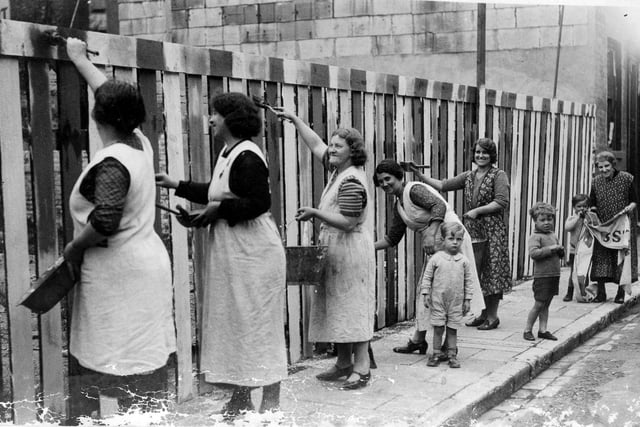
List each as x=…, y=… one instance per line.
x=476, y=322
x=619, y=296
x=335, y=373
x=547, y=336
x=486, y=326
x=599, y=298
x=363, y=380
x=411, y=347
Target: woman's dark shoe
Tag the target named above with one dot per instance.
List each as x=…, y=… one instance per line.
x=335, y=373
x=547, y=336
x=569, y=295
x=619, y=296
x=527, y=335
x=363, y=380
x=599, y=298
x=476, y=322
x=486, y=326
x=411, y=347
x=434, y=360
x=240, y=402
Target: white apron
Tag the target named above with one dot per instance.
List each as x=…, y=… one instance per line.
x=243, y=339
x=342, y=308
x=416, y=219
x=122, y=320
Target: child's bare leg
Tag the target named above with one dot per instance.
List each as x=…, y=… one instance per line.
x=533, y=315
x=437, y=338
x=544, y=317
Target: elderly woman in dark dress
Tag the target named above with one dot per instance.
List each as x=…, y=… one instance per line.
x=486, y=197
x=612, y=191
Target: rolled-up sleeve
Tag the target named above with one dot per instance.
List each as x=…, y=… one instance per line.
x=428, y=201
x=455, y=183
x=501, y=189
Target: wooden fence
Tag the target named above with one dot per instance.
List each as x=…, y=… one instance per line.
x=544, y=145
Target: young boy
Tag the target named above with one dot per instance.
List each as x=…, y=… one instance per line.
x=446, y=288
x=546, y=252
x=573, y=225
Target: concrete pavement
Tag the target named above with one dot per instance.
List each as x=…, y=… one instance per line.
x=404, y=391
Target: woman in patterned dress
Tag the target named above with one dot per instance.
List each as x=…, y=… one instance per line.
x=486, y=197
x=243, y=343
x=611, y=192
x=342, y=308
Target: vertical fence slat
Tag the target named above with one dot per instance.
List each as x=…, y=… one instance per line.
x=181, y=283
x=306, y=199
x=401, y=280
x=43, y=145
x=389, y=151
x=290, y=228
x=377, y=105
x=16, y=250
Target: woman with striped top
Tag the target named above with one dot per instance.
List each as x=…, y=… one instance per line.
x=343, y=307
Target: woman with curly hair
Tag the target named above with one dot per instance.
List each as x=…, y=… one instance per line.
x=243, y=341
x=342, y=309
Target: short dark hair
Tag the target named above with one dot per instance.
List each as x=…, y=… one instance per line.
x=389, y=166
x=450, y=227
x=241, y=116
x=119, y=104
x=355, y=141
x=487, y=145
x=542, y=208
x=580, y=197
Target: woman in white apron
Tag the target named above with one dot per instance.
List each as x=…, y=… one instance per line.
x=243, y=341
x=342, y=309
x=122, y=326
x=420, y=208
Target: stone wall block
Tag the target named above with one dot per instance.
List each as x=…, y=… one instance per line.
x=287, y=30
x=391, y=7
x=197, y=18
x=421, y=6
x=157, y=25
x=346, y=8
x=179, y=19
x=231, y=35
x=213, y=17
x=285, y=12
x=258, y=33
x=577, y=35
x=519, y=38
x=287, y=49
x=303, y=10
x=250, y=13
x=541, y=16
x=393, y=45
x=354, y=46
x=402, y=24
x=178, y=4
x=322, y=9
x=576, y=15
x=196, y=37
x=304, y=30
x=424, y=43
x=369, y=25
x=189, y=4
x=317, y=48
x=217, y=3
x=456, y=42
x=501, y=18
x=232, y=15
x=214, y=36
x=330, y=28
x=267, y=13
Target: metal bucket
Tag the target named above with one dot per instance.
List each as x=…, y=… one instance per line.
x=480, y=247
x=305, y=264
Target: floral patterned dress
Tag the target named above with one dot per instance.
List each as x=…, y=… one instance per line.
x=495, y=274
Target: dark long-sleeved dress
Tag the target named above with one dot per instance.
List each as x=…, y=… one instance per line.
x=610, y=196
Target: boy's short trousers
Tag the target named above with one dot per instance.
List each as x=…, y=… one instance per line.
x=446, y=312
x=544, y=288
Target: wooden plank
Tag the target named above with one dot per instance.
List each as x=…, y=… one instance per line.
x=408, y=146
x=356, y=111
x=290, y=228
x=435, y=140
x=451, y=148
x=459, y=149
x=237, y=85
x=403, y=283
x=333, y=116
x=389, y=151
x=273, y=139
x=524, y=198
x=346, y=109
x=319, y=126
x=305, y=158
x=200, y=171
x=43, y=144
x=16, y=250
x=256, y=89
x=381, y=215
x=179, y=247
